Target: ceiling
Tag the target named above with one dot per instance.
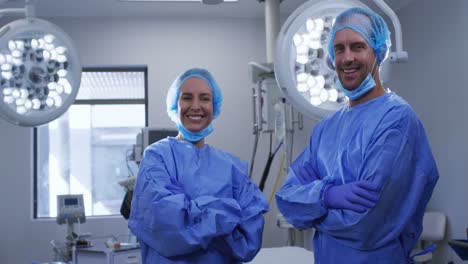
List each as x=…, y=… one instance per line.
x=118, y=8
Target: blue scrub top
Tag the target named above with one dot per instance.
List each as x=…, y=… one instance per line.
x=381, y=141
x=195, y=205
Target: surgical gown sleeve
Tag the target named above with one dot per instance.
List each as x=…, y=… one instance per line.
x=246, y=239
x=299, y=199
x=170, y=221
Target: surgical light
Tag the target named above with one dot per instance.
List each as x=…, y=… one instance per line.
x=40, y=72
x=302, y=70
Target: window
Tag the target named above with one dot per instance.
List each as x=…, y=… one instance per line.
x=86, y=150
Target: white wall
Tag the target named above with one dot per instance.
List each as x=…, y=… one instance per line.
x=434, y=82
x=168, y=47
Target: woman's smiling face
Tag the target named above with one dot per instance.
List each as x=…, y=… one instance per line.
x=195, y=105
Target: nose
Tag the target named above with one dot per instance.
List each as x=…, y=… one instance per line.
x=195, y=105
x=348, y=56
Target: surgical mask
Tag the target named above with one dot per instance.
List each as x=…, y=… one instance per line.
x=363, y=88
x=194, y=136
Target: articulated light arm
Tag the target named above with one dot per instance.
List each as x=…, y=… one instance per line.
x=399, y=55
x=12, y=11
x=27, y=11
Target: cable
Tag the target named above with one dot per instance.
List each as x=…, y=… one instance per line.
x=275, y=186
x=277, y=147
x=268, y=165
x=271, y=143
x=127, y=160
x=252, y=160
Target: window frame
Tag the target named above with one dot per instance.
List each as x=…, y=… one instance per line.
x=138, y=68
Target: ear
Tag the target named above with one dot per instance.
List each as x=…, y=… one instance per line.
x=381, y=53
x=330, y=63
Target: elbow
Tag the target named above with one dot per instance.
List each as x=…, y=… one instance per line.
x=298, y=218
x=247, y=242
x=249, y=255
x=249, y=250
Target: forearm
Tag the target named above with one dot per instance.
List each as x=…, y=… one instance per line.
x=301, y=204
x=187, y=225
x=391, y=167
x=244, y=242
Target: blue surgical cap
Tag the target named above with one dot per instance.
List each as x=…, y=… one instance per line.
x=174, y=91
x=367, y=23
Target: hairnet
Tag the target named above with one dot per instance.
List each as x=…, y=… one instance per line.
x=174, y=91
x=367, y=23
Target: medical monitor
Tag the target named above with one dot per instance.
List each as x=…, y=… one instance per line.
x=148, y=136
x=151, y=135
x=70, y=209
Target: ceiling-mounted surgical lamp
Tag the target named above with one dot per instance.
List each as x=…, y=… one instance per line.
x=302, y=66
x=40, y=71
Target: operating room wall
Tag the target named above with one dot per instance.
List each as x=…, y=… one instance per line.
x=167, y=47
x=434, y=81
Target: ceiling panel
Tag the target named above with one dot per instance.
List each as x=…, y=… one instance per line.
x=117, y=8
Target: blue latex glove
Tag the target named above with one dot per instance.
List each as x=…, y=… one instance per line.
x=358, y=196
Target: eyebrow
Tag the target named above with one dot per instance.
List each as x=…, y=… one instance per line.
x=360, y=42
x=202, y=94
x=351, y=44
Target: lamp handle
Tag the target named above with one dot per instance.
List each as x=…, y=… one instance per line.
x=399, y=55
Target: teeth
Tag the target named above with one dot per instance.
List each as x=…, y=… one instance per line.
x=195, y=117
x=349, y=71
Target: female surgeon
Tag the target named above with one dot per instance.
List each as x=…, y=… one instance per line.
x=194, y=203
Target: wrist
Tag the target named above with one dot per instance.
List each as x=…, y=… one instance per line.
x=324, y=195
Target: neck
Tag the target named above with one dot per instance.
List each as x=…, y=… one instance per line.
x=375, y=92
x=197, y=144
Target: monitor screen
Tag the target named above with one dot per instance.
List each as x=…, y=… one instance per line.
x=151, y=135
x=71, y=201
x=156, y=135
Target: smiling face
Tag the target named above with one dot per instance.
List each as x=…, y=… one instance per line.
x=354, y=58
x=195, y=104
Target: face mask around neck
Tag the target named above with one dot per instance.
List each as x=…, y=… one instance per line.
x=194, y=136
x=366, y=85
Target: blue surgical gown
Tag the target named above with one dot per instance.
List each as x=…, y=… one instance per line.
x=195, y=205
x=382, y=141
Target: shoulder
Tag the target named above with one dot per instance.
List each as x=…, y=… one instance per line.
x=159, y=146
x=397, y=111
x=326, y=124
x=158, y=151
x=229, y=157
x=332, y=119
x=395, y=114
